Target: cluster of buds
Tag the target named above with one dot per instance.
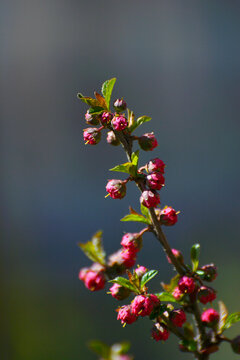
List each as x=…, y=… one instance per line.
x=187, y=288
x=142, y=305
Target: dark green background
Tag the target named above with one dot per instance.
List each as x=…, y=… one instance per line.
x=176, y=61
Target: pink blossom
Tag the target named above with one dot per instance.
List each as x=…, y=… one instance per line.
x=210, y=317
x=94, y=281
x=156, y=165
x=116, y=189
x=92, y=136
x=160, y=332
x=150, y=198
x=125, y=315
x=132, y=241
x=178, y=317
x=119, y=122
x=148, y=142
x=206, y=294
x=143, y=305
x=155, y=181
x=186, y=285
x=168, y=216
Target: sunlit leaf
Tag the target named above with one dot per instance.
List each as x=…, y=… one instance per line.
x=148, y=276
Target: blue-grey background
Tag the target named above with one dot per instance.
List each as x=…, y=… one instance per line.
x=176, y=61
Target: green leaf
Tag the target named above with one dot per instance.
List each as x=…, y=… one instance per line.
x=165, y=296
x=126, y=168
x=148, y=276
x=141, y=120
x=93, y=249
x=100, y=349
x=173, y=283
x=145, y=212
x=107, y=89
x=137, y=218
x=88, y=100
x=195, y=252
x=95, y=110
x=223, y=312
x=230, y=320
x=125, y=283
x=135, y=157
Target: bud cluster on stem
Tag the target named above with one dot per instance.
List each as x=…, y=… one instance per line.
x=186, y=292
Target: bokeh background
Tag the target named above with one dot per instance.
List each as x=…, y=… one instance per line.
x=176, y=61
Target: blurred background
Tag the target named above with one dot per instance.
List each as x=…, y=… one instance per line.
x=176, y=61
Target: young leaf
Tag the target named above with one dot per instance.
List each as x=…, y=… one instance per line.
x=130, y=118
x=148, y=276
x=124, y=282
x=134, y=158
x=145, y=212
x=195, y=252
x=93, y=249
x=88, y=100
x=126, y=168
x=107, y=89
x=100, y=349
x=137, y=218
x=101, y=100
x=223, y=312
x=95, y=110
x=165, y=296
x=230, y=320
x=141, y=120
x=173, y=283
x=132, y=211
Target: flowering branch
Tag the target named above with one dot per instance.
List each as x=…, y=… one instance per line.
x=186, y=291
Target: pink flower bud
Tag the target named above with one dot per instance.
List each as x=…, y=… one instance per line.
x=210, y=272
x=119, y=122
x=129, y=257
x=186, y=285
x=116, y=189
x=92, y=119
x=92, y=136
x=156, y=165
x=236, y=345
x=206, y=294
x=177, y=293
x=120, y=105
x=106, y=118
x=94, y=281
x=82, y=273
x=125, y=315
x=140, y=271
x=132, y=241
x=150, y=198
x=148, y=142
x=155, y=181
x=178, y=317
x=119, y=292
x=168, y=216
x=210, y=317
x=111, y=139
x=178, y=255
x=143, y=305
x=160, y=332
